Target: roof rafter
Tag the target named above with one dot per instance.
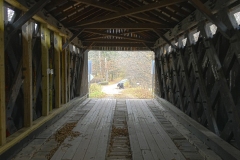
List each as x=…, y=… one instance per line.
x=136, y=10
x=125, y=26
x=124, y=33
x=99, y=44
x=117, y=35
x=115, y=41
x=117, y=9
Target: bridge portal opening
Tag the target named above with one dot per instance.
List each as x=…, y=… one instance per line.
x=121, y=74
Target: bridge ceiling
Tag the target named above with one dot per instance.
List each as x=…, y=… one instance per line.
x=102, y=24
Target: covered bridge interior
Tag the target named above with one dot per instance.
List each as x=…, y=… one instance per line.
x=44, y=48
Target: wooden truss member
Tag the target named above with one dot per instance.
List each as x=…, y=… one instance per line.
x=2, y=79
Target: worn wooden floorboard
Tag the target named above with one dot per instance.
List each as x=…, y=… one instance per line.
x=104, y=136
x=134, y=143
x=68, y=152
x=92, y=150
x=88, y=135
x=162, y=136
x=149, y=138
x=153, y=140
x=94, y=129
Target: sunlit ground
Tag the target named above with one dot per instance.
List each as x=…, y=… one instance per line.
x=111, y=91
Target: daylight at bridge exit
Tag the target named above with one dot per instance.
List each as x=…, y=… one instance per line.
x=119, y=79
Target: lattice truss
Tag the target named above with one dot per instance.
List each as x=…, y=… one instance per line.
x=15, y=78
x=203, y=81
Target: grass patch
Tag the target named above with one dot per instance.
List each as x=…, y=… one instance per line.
x=138, y=93
x=96, y=91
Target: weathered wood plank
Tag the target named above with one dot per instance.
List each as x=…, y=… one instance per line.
x=136, y=151
x=88, y=135
x=2, y=79
x=137, y=139
x=156, y=141
x=27, y=72
x=83, y=127
x=105, y=133
x=51, y=66
x=64, y=73
x=45, y=45
x=68, y=74
x=218, y=145
x=166, y=145
x=140, y=135
x=80, y=127
x=57, y=69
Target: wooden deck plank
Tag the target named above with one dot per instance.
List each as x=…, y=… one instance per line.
x=149, y=135
x=162, y=137
x=140, y=135
x=163, y=147
x=93, y=145
x=136, y=151
x=103, y=140
x=88, y=135
x=81, y=126
x=147, y=154
x=156, y=152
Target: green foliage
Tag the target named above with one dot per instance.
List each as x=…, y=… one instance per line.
x=96, y=91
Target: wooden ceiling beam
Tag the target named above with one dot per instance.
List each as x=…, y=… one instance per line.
x=129, y=32
x=179, y=10
x=114, y=41
x=126, y=26
x=117, y=9
x=172, y=14
x=75, y=10
x=118, y=44
x=99, y=5
x=53, y=5
x=152, y=13
x=136, y=10
x=61, y=9
x=117, y=35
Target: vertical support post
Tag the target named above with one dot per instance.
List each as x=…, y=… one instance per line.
x=69, y=74
x=2, y=79
x=51, y=66
x=45, y=45
x=57, y=72
x=27, y=72
x=64, y=73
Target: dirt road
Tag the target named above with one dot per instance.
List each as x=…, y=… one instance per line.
x=111, y=90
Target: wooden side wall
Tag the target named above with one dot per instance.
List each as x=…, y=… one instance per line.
x=202, y=77
x=38, y=78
